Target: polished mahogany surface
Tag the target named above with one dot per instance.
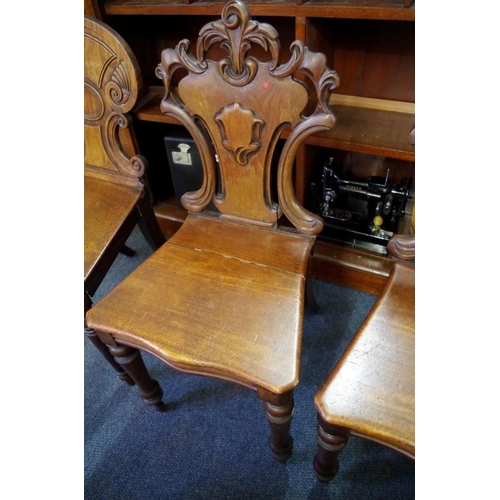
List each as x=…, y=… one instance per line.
x=224, y=297
x=104, y=215
x=217, y=309
x=372, y=389
x=116, y=195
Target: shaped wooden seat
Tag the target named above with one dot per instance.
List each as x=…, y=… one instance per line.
x=371, y=391
x=224, y=296
x=116, y=195
x=220, y=282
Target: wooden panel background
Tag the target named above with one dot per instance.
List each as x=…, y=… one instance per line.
x=373, y=58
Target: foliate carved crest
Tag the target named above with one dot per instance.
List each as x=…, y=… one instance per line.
x=240, y=130
x=236, y=33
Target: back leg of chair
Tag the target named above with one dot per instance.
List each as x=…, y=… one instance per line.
x=310, y=299
x=331, y=441
x=148, y=223
x=131, y=361
x=127, y=251
x=279, y=413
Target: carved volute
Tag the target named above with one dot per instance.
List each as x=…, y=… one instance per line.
x=240, y=106
x=112, y=82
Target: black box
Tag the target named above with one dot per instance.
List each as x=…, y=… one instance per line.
x=185, y=165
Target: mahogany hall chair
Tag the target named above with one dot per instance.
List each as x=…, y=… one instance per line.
x=371, y=391
x=116, y=195
x=224, y=296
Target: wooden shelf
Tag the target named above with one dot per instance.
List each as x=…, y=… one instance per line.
x=349, y=266
x=170, y=216
x=353, y=9
x=148, y=110
x=371, y=131
x=378, y=132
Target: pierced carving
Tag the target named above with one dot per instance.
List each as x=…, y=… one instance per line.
x=172, y=105
x=240, y=129
x=242, y=119
x=313, y=65
x=236, y=32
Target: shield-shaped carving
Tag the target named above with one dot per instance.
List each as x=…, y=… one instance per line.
x=240, y=129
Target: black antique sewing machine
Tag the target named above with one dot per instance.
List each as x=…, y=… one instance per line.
x=362, y=212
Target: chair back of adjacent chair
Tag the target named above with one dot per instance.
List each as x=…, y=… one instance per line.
x=112, y=85
x=238, y=107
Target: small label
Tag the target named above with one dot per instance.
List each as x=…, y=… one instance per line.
x=182, y=157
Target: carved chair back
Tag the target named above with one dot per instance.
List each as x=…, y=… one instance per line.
x=237, y=107
x=112, y=85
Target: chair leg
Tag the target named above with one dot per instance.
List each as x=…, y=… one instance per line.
x=331, y=441
x=131, y=361
x=103, y=349
x=127, y=251
x=310, y=299
x=279, y=413
x=148, y=223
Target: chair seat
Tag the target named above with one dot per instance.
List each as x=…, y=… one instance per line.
x=372, y=389
x=218, y=299
x=107, y=206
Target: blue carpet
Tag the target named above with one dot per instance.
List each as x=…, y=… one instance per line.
x=212, y=441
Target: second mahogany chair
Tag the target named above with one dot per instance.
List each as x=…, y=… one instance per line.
x=116, y=193
x=224, y=296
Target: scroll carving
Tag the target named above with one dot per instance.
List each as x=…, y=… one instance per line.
x=112, y=87
x=171, y=105
x=135, y=165
x=119, y=88
x=313, y=66
x=402, y=247
x=118, y=93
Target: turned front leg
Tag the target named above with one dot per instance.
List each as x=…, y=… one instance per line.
x=103, y=349
x=131, y=361
x=279, y=413
x=331, y=441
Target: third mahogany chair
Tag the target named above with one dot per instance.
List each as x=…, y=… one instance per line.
x=224, y=296
x=370, y=392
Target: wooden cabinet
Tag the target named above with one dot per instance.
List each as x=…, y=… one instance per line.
x=370, y=43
